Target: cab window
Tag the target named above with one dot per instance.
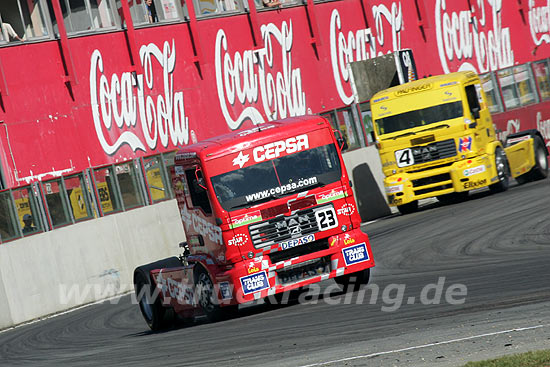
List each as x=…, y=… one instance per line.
x=473, y=98
x=197, y=194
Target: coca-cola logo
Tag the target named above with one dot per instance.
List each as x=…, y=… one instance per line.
x=250, y=79
x=161, y=118
x=360, y=44
x=539, y=22
x=466, y=39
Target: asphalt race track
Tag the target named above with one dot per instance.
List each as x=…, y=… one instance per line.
x=490, y=253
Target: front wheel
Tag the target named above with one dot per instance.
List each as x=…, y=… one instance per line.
x=501, y=164
x=207, y=297
x=353, y=281
x=453, y=198
x=408, y=208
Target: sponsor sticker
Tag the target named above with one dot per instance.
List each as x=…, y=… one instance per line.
x=241, y=159
x=415, y=89
x=348, y=240
x=474, y=171
x=239, y=240
x=246, y=219
x=465, y=144
x=394, y=189
x=297, y=242
x=330, y=195
x=518, y=139
x=225, y=290
x=346, y=209
x=355, y=254
x=254, y=282
x=475, y=184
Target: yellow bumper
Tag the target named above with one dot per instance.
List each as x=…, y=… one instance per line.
x=460, y=176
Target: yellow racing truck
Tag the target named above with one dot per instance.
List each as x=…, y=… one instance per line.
x=436, y=138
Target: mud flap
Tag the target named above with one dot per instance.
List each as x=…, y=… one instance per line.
x=521, y=157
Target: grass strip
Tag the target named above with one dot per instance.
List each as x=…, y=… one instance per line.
x=529, y=359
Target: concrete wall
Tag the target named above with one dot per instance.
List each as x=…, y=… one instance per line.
x=368, y=188
x=54, y=271
x=89, y=261
x=368, y=155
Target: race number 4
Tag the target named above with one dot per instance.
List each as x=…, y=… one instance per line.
x=404, y=157
x=326, y=218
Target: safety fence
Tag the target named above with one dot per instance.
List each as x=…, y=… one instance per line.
x=95, y=192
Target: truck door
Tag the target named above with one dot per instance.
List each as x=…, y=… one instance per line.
x=480, y=115
x=203, y=235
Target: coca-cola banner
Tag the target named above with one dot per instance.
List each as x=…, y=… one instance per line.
x=117, y=107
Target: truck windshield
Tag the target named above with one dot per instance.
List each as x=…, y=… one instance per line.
x=421, y=117
x=278, y=177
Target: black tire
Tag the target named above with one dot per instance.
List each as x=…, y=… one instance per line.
x=503, y=172
x=149, y=300
x=453, y=198
x=408, y=208
x=284, y=298
x=353, y=281
x=207, y=297
x=155, y=314
x=540, y=170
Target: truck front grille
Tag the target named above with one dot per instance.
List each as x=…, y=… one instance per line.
x=432, y=152
x=302, y=250
x=431, y=180
x=282, y=228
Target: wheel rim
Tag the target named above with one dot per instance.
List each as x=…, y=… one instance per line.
x=543, y=163
x=146, y=307
x=205, y=288
x=501, y=166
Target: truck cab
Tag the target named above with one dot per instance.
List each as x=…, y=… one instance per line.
x=436, y=138
x=265, y=211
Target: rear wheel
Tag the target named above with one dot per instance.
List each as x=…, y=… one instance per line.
x=408, y=208
x=353, y=281
x=149, y=301
x=540, y=171
x=501, y=164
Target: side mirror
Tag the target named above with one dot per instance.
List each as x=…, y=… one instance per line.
x=475, y=112
x=200, y=180
x=372, y=137
x=342, y=143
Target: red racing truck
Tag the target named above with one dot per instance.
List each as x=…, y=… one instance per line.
x=265, y=211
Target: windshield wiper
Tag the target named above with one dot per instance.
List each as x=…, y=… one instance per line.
x=255, y=202
x=435, y=128
x=403, y=135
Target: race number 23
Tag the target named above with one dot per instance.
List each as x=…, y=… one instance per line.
x=404, y=157
x=326, y=218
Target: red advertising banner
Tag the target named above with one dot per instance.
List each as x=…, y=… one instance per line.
x=118, y=111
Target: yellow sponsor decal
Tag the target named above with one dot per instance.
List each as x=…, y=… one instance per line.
x=416, y=89
x=23, y=207
x=105, y=197
x=78, y=204
x=475, y=184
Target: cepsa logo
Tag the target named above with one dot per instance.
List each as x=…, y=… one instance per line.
x=274, y=150
x=346, y=209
